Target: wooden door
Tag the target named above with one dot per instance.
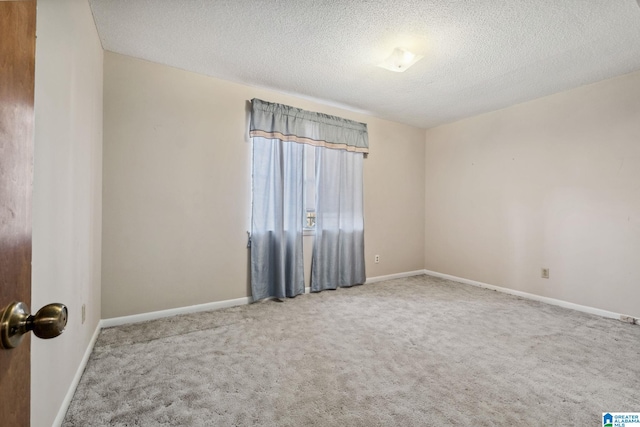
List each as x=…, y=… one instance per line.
x=17, y=67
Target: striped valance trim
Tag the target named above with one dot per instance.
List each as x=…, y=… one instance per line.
x=308, y=141
x=277, y=121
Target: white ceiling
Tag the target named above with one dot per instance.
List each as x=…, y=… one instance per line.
x=479, y=55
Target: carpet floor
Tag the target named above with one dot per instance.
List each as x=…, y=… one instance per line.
x=418, y=351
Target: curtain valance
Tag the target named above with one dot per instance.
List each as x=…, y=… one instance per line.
x=277, y=121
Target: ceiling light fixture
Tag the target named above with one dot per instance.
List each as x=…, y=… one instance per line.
x=400, y=60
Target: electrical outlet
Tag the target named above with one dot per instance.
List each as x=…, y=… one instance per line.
x=545, y=273
x=84, y=313
x=377, y=259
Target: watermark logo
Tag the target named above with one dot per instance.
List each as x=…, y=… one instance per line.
x=621, y=419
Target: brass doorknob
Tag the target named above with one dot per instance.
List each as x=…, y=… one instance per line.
x=49, y=322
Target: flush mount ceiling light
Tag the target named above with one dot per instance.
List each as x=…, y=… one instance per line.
x=400, y=60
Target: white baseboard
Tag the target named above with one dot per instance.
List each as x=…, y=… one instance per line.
x=395, y=276
x=62, y=412
x=547, y=300
x=375, y=279
x=143, y=317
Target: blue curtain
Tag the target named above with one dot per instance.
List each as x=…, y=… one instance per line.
x=338, y=254
x=277, y=219
x=279, y=134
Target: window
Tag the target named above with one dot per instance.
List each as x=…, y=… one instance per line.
x=307, y=179
x=309, y=189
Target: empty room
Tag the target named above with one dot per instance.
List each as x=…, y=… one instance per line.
x=319, y=213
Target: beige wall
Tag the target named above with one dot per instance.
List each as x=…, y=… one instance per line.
x=551, y=183
x=177, y=191
x=66, y=195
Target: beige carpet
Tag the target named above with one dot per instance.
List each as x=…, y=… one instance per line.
x=419, y=351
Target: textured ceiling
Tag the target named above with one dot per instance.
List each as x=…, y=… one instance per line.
x=479, y=55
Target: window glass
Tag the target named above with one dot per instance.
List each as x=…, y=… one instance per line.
x=309, y=187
